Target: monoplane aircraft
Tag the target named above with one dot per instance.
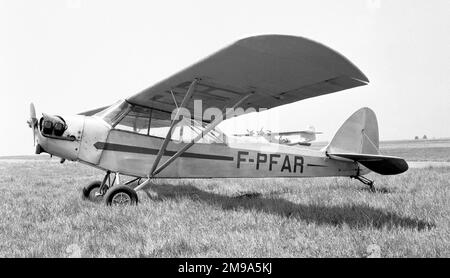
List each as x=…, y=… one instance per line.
x=169, y=130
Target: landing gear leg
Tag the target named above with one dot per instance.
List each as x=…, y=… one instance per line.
x=107, y=183
x=366, y=181
x=97, y=189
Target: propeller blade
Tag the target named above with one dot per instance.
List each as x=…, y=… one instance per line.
x=32, y=122
x=32, y=111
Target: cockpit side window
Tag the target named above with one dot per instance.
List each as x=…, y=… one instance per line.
x=154, y=122
x=188, y=129
x=160, y=123
x=144, y=120
x=136, y=120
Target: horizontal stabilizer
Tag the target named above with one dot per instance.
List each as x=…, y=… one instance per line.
x=381, y=164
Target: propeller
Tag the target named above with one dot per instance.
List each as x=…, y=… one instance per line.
x=261, y=132
x=32, y=121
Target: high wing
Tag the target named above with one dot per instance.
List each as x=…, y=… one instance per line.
x=274, y=69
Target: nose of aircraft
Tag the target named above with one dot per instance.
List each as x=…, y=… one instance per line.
x=56, y=135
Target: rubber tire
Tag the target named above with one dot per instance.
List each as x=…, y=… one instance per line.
x=120, y=189
x=89, y=191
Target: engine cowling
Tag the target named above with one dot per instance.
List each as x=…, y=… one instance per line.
x=60, y=136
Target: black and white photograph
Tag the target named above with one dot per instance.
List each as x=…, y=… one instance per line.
x=248, y=130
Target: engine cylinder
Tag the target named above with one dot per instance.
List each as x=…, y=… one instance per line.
x=47, y=127
x=53, y=125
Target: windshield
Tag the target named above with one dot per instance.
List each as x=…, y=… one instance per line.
x=113, y=113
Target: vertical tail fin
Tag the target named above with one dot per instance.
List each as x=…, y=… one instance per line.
x=358, y=134
x=357, y=140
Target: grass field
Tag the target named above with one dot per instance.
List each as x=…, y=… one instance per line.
x=418, y=150
x=42, y=215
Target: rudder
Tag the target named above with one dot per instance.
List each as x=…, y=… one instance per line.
x=357, y=139
x=358, y=134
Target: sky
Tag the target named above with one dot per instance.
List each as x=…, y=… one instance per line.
x=69, y=56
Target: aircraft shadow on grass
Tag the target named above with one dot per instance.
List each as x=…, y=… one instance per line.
x=355, y=215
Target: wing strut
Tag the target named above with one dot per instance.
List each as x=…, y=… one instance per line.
x=186, y=98
x=211, y=126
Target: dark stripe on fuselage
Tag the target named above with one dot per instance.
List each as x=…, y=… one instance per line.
x=316, y=165
x=135, y=149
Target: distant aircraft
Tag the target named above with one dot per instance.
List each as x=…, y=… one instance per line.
x=134, y=137
x=303, y=137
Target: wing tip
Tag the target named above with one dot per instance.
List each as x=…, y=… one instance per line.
x=357, y=74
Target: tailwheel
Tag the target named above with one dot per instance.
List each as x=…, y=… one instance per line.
x=90, y=192
x=120, y=195
x=366, y=181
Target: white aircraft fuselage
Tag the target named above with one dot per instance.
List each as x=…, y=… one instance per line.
x=92, y=141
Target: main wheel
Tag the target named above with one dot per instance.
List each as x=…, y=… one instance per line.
x=120, y=195
x=89, y=191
